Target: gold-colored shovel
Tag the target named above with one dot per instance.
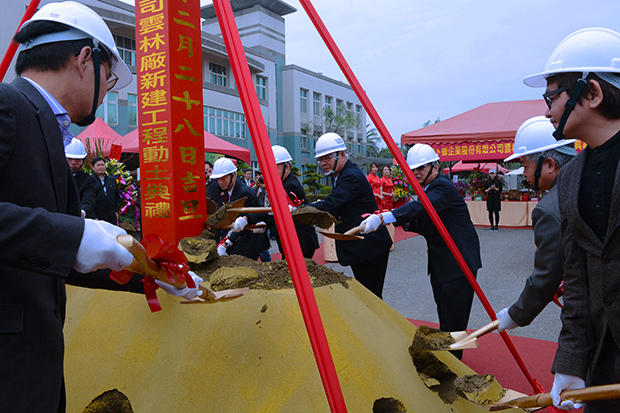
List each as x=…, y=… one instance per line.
x=350, y=235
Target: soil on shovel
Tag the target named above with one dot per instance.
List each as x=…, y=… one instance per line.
x=479, y=389
x=231, y=272
x=309, y=215
x=427, y=338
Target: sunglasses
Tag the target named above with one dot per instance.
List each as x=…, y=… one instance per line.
x=547, y=96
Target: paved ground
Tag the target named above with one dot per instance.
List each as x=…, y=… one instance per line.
x=507, y=259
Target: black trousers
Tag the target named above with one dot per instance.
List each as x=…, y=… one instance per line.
x=453, y=300
x=606, y=371
x=371, y=273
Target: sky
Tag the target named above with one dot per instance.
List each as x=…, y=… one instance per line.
x=420, y=60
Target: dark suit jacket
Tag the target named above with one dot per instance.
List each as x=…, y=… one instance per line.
x=350, y=199
x=40, y=234
x=455, y=216
x=108, y=201
x=87, y=187
x=547, y=275
x=591, y=276
x=246, y=243
x=308, y=239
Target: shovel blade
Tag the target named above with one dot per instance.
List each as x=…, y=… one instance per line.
x=340, y=237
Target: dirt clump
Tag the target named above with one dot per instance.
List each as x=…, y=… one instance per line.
x=479, y=389
x=427, y=338
x=224, y=273
x=309, y=215
x=435, y=374
x=111, y=401
x=388, y=405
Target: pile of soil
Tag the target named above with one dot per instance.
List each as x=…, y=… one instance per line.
x=111, y=401
x=272, y=275
x=479, y=389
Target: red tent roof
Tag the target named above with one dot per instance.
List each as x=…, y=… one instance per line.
x=212, y=143
x=99, y=134
x=493, y=121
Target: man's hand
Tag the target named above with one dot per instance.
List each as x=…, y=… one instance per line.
x=372, y=223
x=223, y=244
x=240, y=224
x=566, y=382
x=260, y=228
x=187, y=293
x=99, y=248
x=505, y=321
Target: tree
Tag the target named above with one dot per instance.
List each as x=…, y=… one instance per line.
x=339, y=120
x=428, y=122
x=372, y=138
x=312, y=179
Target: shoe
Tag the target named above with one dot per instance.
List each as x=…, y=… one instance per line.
x=492, y=229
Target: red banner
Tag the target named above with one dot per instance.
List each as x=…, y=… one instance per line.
x=170, y=114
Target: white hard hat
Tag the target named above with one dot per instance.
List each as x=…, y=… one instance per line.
x=329, y=143
x=85, y=24
x=281, y=154
x=75, y=150
x=536, y=135
x=594, y=50
x=421, y=154
x=223, y=167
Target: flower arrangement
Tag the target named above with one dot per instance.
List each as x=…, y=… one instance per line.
x=476, y=183
x=402, y=189
x=129, y=214
x=462, y=187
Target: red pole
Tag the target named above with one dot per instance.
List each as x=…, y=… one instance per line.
x=370, y=109
x=10, y=51
x=275, y=191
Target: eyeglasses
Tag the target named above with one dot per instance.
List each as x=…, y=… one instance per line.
x=547, y=96
x=326, y=158
x=112, y=80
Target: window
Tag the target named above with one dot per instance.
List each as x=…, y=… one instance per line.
x=358, y=109
x=304, y=139
x=350, y=106
x=126, y=49
x=132, y=109
x=224, y=122
x=328, y=102
x=303, y=100
x=261, y=87
x=316, y=104
x=217, y=74
x=108, y=111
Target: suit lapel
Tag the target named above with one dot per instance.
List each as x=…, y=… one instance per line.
x=53, y=140
x=614, y=211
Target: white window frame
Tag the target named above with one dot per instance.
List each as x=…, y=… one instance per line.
x=303, y=100
x=108, y=111
x=126, y=49
x=304, y=139
x=224, y=122
x=316, y=104
x=218, y=74
x=261, y=87
x=132, y=107
x=328, y=102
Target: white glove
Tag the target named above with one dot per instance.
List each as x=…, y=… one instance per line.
x=239, y=224
x=372, y=223
x=505, y=321
x=187, y=293
x=291, y=208
x=566, y=382
x=260, y=228
x=99, y=248
x=221, y=247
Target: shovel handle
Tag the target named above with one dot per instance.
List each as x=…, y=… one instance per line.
x=492, y=326
x=354, y=230
x=588, y=394
x=250, y=210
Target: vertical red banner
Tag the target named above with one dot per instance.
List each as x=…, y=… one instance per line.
x=170, y=115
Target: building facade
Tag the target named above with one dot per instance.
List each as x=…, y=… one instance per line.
x=293, y=100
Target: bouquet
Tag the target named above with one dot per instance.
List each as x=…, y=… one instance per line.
x=402, y=189
x=129, y=214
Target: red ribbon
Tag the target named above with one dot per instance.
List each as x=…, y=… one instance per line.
x=172, y=260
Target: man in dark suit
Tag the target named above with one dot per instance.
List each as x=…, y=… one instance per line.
x=351, y=198
x=107, y=196
x=306, y=234
x=452, y=291
x=582, y=78
x=44, y=243
x=247, y=243
x=75, y=153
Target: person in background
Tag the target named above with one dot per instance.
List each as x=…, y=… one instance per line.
x=493, y=188
x=452, y=291
x=582, y=80
x=260, y=190
x=375, y=182
x=75, y=153
x=247, y=177
x=387, y=190
x=107, y=197
x=247, y=243
x=542, y=157
x=66, y=63
x=208, y=171
x=351, y=198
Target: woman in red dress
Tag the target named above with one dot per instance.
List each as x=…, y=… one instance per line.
x=375, y=182
x=387, y=189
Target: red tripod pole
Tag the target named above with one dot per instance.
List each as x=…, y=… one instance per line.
x=275, y=191
x=10, y=51
x=361, y=94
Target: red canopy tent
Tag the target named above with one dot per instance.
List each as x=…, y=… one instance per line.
x=99, y=135
x=461, y=166
x=212, y=143
x=485, y=133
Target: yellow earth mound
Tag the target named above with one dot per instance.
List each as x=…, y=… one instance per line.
x=250, y=354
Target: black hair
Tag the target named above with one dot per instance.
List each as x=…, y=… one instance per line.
x=50, y=56
x=95, y=160
x=609, y=107
x=209, y=163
